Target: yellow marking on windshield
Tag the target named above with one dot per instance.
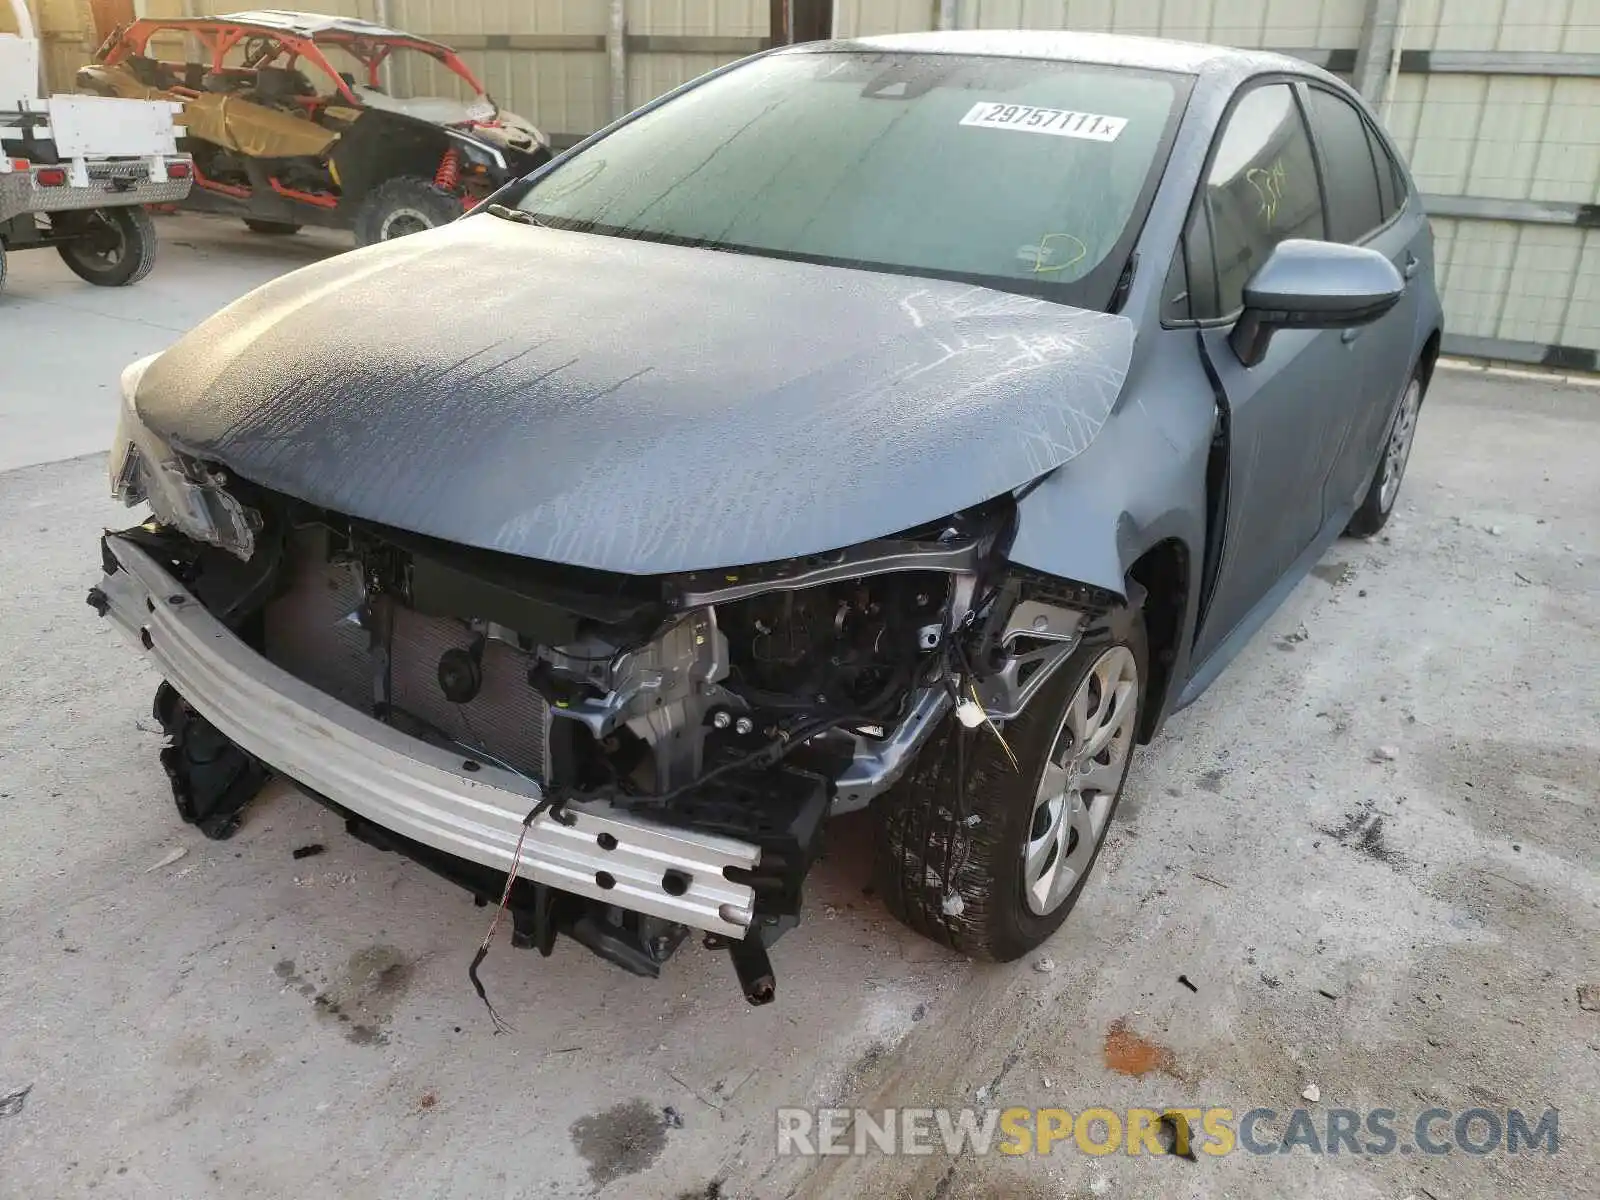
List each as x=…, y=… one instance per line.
x=1043, y=249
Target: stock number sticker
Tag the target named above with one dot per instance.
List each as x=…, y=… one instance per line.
x=1059, y=122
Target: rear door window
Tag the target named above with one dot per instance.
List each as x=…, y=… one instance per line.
x=1355, y=201
x=1261, y=190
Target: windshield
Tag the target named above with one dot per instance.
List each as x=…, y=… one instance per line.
x=1015, y=173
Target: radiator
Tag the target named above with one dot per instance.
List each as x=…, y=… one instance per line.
x=312, y=632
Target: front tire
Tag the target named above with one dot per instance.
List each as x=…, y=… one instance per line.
x=403, y=206
x=989, y=859
x=1378, y=504
x=110, y=247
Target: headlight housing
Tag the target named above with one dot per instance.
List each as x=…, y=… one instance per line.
x=123, y=466
x=181, y=491
x=476, y=150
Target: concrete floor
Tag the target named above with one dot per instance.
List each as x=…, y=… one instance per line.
x=1406, y=933
x=61, y=403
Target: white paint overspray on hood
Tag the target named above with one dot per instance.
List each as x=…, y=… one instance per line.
x=631, y=406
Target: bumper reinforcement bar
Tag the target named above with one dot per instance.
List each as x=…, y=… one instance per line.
x=431, y=795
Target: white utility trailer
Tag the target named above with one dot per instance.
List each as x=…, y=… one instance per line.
x=77, y=171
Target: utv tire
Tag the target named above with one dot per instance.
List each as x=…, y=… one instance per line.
x=403, y=206
x=272, y=228
x=115, y=247
x=993, y=867
x=1378, y=503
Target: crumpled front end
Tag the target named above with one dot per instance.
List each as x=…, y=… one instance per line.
x=646, y=755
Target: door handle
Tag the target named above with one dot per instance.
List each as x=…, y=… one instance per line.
x=1412, y=263
x=1350, y=335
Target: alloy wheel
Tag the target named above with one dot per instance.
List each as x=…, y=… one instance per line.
x=1080, y=780
x=1398, y=451
x=403, y=222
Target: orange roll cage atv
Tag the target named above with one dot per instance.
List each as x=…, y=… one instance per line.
x=281, y=151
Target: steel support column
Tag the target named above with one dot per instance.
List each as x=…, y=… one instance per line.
x=617, y=57
x=1377, y=52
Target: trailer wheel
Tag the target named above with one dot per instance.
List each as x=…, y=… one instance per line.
x=110, y=247
x=404, y=205
x=2, y=268
x=271, y=228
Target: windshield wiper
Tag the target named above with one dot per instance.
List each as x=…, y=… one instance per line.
x=520, y=216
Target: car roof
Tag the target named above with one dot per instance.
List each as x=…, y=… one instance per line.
x=1109, y=49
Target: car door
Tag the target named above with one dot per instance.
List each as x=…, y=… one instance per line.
x=1284, y=413
x=1364, y=208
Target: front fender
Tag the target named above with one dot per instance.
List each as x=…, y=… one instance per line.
x=1066, y=528
x=1134, y=486
x=1136, y=491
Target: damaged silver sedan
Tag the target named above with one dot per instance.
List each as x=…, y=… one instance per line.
x=912, y=423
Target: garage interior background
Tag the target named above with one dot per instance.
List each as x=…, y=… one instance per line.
x=1496, y=103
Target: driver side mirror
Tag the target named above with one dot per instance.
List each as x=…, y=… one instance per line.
x=1312, y=285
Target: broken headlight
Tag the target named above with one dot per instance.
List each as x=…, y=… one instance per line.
x=181, y=491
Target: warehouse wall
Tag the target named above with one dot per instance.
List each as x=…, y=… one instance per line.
x=866, y=18
x=544, y=59
x=1522, y=148
x=547, y=59
x=66, y=35
x=1250, y=23
x=655, y=72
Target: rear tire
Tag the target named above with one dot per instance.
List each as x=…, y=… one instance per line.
x=402, y=206
x=1378, y=504
x=998, y=881
x=2, y=268
x=112, y=247
x=272, y=228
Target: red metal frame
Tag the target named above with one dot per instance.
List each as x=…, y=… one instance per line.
x=320, y=199
x=227, y=189
x=220, y=36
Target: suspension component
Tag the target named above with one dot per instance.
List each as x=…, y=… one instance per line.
x=448, y=177
x=754, y=969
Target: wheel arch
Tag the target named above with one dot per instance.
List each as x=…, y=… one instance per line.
x=1164, y=574
x=1430, y=356
x=1160, y=584
x=1139, y=534
x=382, y=146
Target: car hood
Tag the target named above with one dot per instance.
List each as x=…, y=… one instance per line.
x=633, y=406
x=504, y=128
